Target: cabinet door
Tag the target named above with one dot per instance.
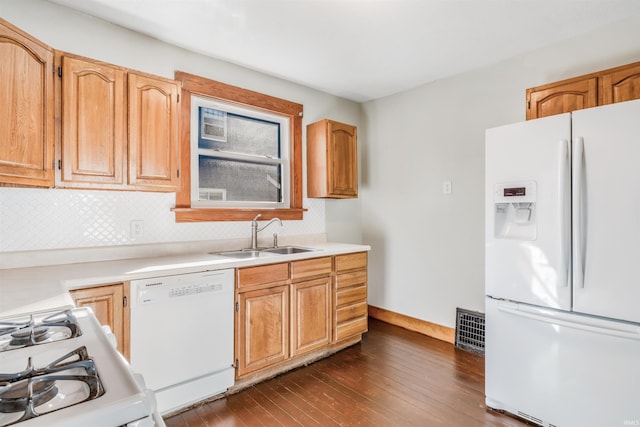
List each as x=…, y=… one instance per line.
x=93, y=124
x=263, y=328
x=332, y=160
x=343, y=160
x=107, y=302
x=26, y=109
x=311, y=315
x=153, y=132
x=558, y=98
x=620, y=84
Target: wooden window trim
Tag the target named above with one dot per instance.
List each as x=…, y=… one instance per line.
x=192, y=84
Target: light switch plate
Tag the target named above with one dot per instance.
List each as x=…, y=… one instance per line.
x=446, y=187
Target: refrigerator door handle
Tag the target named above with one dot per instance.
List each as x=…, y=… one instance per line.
x=564, y=205
x=621, y=330
x=577, y=212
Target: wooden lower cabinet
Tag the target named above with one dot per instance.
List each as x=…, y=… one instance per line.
x=291, y=311
x=262, y=328
x=310, y=304
x=108, y=304
x=311, y=315
x=350, y=295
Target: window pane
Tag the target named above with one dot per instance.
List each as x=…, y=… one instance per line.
x=224, y=131
x=232, y=180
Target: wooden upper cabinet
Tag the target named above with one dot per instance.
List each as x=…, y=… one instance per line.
x=119, y=127
x=332, y=160
x=620, y=84
x=94, y=138
x=600, y=88
x=26, y=110
x=547, y=100
x=153, y=132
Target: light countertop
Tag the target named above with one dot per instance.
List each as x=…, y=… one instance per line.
x=40, y=289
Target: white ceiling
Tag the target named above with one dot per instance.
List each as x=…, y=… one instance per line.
x=360, y=49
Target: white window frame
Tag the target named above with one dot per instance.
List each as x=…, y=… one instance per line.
x=283, y=161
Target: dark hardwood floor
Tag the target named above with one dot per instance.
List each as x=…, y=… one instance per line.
x=394, y=377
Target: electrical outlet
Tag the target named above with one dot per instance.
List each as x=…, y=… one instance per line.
x=137, y=228
x=446, y=187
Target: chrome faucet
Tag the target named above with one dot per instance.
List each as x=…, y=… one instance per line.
x=255, y=229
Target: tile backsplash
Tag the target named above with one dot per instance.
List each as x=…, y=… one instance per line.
x=42, y=219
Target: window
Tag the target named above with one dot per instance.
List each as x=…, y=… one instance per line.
x=241, y=154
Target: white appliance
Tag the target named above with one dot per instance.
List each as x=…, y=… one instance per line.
x=182, y=336
x=562, y=252
x=61, y=370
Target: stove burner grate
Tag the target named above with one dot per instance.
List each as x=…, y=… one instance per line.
x=34, y=392
x=25, y=337
x=56, y=327
x=19, y=395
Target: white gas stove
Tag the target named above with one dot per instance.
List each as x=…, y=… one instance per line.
x=61, y=369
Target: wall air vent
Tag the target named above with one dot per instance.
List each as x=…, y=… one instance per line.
x=470, y=330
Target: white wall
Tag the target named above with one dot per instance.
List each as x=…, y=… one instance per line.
x=41, y=219
x=427, y=253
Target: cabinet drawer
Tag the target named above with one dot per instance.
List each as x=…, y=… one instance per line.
x=351, y=312
x=354, y=327
x=263, y=274
x=310, y=267
x=351, y=261
x=357, y=278
x=351, y=295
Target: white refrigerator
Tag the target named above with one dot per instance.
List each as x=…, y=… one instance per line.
x=562, y=268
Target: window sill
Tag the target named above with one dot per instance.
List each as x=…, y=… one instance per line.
x=237, y=214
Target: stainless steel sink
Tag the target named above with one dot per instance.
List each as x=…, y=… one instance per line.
x=288, y=250
x=249, y=254
x=264, y=253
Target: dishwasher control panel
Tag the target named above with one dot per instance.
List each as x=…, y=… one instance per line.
x=194, y=289
x=158, y=289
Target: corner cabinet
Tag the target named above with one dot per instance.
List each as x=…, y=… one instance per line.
x=603, y=87
x=27, y=109
x=109, y=304
x=119, y=127
x=332, y=160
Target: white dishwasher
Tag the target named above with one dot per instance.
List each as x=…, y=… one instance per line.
x=182, y=336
